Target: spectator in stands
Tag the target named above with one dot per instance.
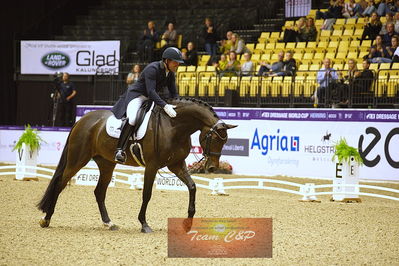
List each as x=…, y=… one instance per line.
x=326, y=77
x=352, y=9
x=210, y=36
x=190, y=57
x=148, y=40
x=378, y=52
x=309, y=33
x=386, y=38
x=66, y=104
x=221, y=65
x=396, y=21
x=267, y=69
x=238, y=45
x=363, y=81
x=134, y=74
x=370, y=9
x=225, y=45
x=372, y=28
x=386, y=6
x=248, y=66
x=335, y=10
x=389, y=19
x=289, y=66
x=233, y=66
x=391, y=49
x=295, y=33
x=170, y=36
x=343, y=90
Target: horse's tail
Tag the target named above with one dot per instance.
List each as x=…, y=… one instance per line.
x=52, y=190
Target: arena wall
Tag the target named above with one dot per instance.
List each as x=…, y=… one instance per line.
x=269, y=142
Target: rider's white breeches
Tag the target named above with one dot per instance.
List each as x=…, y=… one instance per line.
x=133, y=107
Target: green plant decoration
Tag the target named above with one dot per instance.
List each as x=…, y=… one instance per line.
x=31, y=138
x=343, y=152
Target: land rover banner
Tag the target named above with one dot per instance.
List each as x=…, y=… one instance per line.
x=76, y=58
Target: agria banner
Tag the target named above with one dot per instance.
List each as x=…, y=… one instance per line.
x=76, y=58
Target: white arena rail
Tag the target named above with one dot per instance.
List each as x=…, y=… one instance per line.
x=218, y=187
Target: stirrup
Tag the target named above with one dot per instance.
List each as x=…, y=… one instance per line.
x=120, y=156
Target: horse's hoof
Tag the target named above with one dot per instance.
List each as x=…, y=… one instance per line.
x=187, y=224
x=111, y=226
x=44, y=223
x=146, y=229
x=114, y=227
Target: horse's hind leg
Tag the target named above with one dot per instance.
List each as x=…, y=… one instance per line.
x=106, y=168
x=63, y=175
x=180, y=170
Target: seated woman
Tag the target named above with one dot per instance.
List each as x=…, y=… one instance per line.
x=232, y=67
x=238, y=45
x=372, y=28
x=378, y=53
x=309, y=33
x=295, y=33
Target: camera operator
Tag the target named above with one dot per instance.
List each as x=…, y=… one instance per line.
x=64, y=95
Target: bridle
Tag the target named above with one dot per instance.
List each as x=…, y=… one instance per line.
x=208, y=139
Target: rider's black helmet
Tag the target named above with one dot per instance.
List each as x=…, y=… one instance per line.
x=172, y=53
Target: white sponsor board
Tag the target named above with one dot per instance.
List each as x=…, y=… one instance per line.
x=49, y=153
x=305, y=148
x=74, y=57
x=271, y=144
x=89, y=177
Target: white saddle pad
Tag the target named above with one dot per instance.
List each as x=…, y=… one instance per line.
x=113, y=126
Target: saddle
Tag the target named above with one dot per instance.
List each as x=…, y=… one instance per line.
x=114, y=127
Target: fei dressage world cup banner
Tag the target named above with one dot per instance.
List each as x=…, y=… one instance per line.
x=76, y=58
x=271, y=142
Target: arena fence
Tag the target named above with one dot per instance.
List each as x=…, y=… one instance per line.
x=234, y=89
x=251, y=90
x=217, y=186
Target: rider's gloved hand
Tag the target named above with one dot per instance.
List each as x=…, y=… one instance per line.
x=169, y=109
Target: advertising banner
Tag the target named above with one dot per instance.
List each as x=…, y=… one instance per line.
x=297, y=8
x=270, y=142
x=74, y=57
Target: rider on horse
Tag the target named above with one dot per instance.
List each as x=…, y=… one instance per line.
x=157, y=83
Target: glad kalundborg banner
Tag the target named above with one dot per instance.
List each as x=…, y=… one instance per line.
x=269, y=142
x=76, y=58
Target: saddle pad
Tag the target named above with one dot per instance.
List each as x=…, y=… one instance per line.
x=113, y=126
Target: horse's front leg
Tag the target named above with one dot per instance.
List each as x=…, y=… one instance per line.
x=149, y=176
x=180, y=170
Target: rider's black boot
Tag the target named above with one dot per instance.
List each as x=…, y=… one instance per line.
x=120, y=154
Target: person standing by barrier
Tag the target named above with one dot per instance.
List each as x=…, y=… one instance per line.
x=211, y=38
x=326, y=77
x=66, y=103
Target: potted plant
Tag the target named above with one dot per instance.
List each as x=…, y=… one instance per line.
x=347, y=160
x=344, y=153
x=27, y=148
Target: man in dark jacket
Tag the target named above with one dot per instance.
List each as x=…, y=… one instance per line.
x=289, y=66
x=157, y=83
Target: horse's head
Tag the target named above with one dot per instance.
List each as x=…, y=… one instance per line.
x=212, y=141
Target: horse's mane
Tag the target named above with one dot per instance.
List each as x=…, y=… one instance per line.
x=188, y=100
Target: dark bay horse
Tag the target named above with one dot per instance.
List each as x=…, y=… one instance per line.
x=167, y=143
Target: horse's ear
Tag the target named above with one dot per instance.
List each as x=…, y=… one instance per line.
x=228, y=126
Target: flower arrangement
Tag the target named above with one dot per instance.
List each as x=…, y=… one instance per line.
x=31, y=139
x=199, y=168
x=343, y=152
